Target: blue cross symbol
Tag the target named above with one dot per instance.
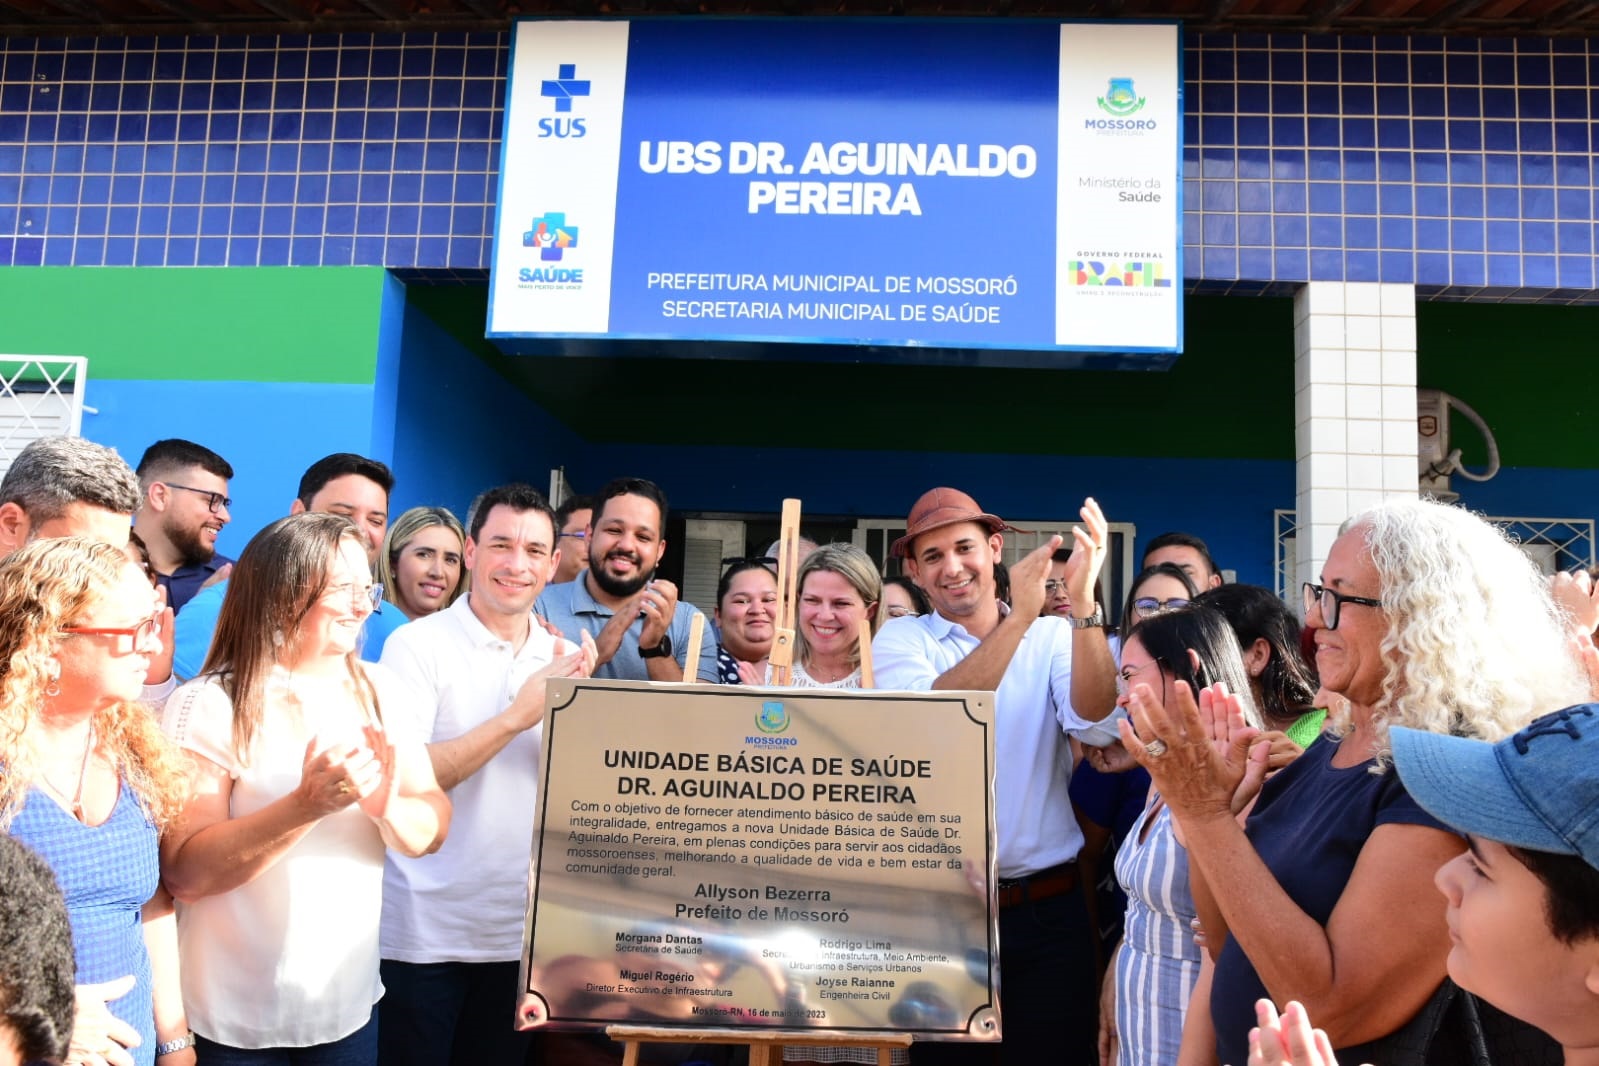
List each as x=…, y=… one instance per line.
x=564, y=87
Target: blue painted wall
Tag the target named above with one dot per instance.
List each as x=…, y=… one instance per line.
x=461, y=427
x=269, y=431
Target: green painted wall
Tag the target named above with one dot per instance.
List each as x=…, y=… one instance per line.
x=1528, y=370
x=1230, y=396
x=303, y=324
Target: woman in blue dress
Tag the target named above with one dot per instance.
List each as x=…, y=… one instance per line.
x=90, y=782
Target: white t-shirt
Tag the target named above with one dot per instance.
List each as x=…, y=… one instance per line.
x=291, y=958
x=467, y=902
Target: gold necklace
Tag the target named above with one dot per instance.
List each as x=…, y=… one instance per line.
x=74, y=801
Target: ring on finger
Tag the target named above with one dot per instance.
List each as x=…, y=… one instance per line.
x=1156, y=748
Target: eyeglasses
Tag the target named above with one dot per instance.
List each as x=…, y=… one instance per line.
x=1125, y=676
x=1332, y=603
x=140, y=633
x=1147, y=605
x=1053, y=587
x=897, y=611
x=214, y=500
x=578, y=534
x=371, y=594
x=739, y=560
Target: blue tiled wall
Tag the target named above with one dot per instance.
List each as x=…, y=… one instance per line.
x=1457, y=163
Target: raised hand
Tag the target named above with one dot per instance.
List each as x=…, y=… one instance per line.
x=1027, y=579
x=1192, y=775
x=1088, y=557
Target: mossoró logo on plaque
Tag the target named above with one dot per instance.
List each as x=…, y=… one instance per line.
x=840, y=884
x=932, y=186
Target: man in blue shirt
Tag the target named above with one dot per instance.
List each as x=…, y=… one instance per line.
x=344, y=484
x=183, y=508
x=638, y=625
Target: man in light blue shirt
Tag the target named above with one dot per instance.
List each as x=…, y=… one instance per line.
x=343, y=484
x=638, y=625
x=1049, y=675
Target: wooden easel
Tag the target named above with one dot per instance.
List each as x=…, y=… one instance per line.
x=765, y=1048
x=696, y=637
x=782, y=657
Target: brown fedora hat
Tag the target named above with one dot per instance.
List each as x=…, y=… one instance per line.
x=945, y=507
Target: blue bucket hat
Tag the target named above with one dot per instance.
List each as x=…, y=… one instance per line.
x=1538, y=789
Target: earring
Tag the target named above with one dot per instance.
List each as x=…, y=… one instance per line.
x=54, y=688
x=277, y=638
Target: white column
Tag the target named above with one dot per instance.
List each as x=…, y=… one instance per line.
x=1354, y=407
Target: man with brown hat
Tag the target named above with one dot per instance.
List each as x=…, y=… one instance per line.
x=1049, y=675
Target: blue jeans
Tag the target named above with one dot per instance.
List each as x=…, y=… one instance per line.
x=450, y=1014
x=360, y=1048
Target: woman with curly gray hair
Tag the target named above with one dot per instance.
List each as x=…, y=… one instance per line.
x=1425, y=617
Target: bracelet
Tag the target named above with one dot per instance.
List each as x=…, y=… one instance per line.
x=182, y=1042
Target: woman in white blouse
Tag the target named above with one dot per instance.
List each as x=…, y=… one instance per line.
x=301, y=783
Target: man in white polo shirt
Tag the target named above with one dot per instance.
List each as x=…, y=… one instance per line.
x=452, y=924
x=1049, y=675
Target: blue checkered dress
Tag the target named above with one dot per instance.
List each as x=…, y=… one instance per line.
x=107, y=872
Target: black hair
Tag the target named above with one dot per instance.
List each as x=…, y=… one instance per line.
x=1288, y=684
x=630, y=486
x=1572, y=886
x=519, y=497
x=1002, y=580
x=37, y=970
x=340, y=464
x=571, y=506
x=1171, y=570
x=169, y=456
x=1170, y=635
x=1183, y=540
x=913, y=590
x=735, y=568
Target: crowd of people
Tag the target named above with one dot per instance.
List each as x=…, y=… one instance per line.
x=287, y=799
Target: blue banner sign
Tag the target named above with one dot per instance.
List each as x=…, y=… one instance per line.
x=1005, y=184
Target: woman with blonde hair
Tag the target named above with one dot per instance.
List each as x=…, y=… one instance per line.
x=1425, y=617
x=306, y=772
x=838, y=586
x=90, y=783
x=419, y=565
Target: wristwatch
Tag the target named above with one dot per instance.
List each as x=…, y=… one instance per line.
x=1093, y=621
x=660, y=651
x=182, y=1042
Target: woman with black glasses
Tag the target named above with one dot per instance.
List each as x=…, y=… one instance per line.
x=1425, y=617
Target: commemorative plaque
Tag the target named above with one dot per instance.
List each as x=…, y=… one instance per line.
x=764, y=859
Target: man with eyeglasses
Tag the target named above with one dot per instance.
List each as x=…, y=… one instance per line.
x=183, y=508
x=572, y=520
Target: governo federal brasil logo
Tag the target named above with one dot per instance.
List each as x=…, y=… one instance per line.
x=1120, y=98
